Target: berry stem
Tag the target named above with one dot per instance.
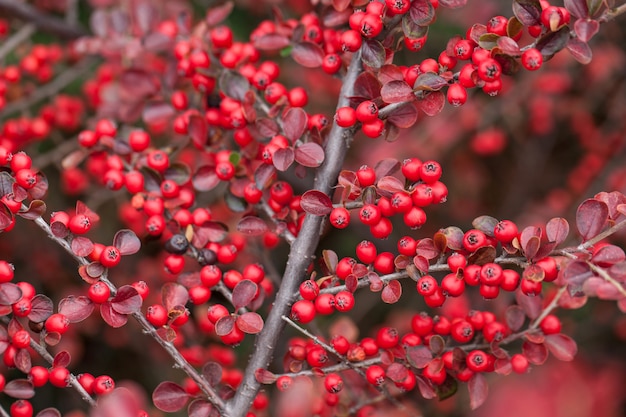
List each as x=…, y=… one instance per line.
x=16, y=39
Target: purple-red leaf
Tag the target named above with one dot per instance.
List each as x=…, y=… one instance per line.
x=49, y=412
x=294, y=123
x=216, y=15
x=169, y=397
x=432, y=103
x=76, y=309
x=41, y=308
x=316, y=203
x=373, y=53
x=586, y=28
x=508, y=46
x=271, y=41
x=608, y=255
x=430, y=82
x=212, y=372
x=527, y=11
x=20, y=388
x=9, y=294
x=478, y=390
x=392, y=292
x=536, y=353
x=421, y=12
x=62, y=358
x=561, y=346
x=552, y=42
x=112, y=317
x=205, y=178
x=263, y=376
x=307, y=54
x=557, y=230
x=396, y=92
x=82, y=246
x=530, y=305
x=580, y=50
x=127, y=300
x=309, y=154
x=404, y=116
x=250, y=323
x=173, y=294
x=453, y=4
x=576, y=273
x=234, y=85
x=224, y=325
x=591, y=217
x=418, y=356
x=367, y=86
x=283, y=158
x=127, y=242
x=252, y=226
x=515, y=317
x=243, y=293
x=36, y=208
x=198, y=130
x=578, y=8
x=199, y=408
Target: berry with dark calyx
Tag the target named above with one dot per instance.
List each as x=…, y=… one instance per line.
x=333, y=383
x=478, y=361
x=21, y=408
x=339, y=217
x=532, y=59
x=375, y=375
x=177, y=244
x=110, y=257
x=103, y=384
x=505, y=231
x=366, y=176
x=99, y=292
x=303, y=311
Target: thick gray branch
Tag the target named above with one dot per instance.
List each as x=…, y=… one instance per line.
x=44, y=22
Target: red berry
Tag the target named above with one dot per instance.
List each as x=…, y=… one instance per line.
x=110, y=257
x=339, y=217
x=532, y=59
x=59, y=376
x=21, y=408
x=375, y=375
x=345, y=117
x=519, y=363
x=505, y=231
x=366, y=176
x=344, y=301
x=333, y=383
x=57, y=323
x=157, y=315
x=303, y=311
x=103, y=384
x=550, y=325
x=478, y=361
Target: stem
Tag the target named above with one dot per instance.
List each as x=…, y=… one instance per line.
x=608, y=232
x=17, y=38
x=180, y=361
x=3, y=412
x=300, y=255
x=611, y=14
x=42, y=21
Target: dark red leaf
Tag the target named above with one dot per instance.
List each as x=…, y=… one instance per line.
x=209, y=232
x=127, y=242
x=243, y=293
x=426, y=387
x=508, y=46
x=557, y=230
x=585, y=29
x=418, y=356
x=9, y=294
x=49, y=412
x=266, y=127
x=591, y=218
x=112, y=317
x=404, y=116
x=36, y=208
x=437, y=345
x=531, y=305
x=578, y=8
x=157, y=113
x=283, y=158
x=62, y=358
x=224, y=325
x=20, y=388
x=534, y=273
x=488, y=41
x=252, y=226
x=453, y=4
x=263, y=376
x=421, y=12
x=608, y=255
x=536, y=353
x=373, y=53
x=376, y=284
x=576, y=273
x=552, y=42
x=6, y=217
x=81, y=246
x=173, y=294
x=263, y=175
x=23, y=360
x=307, y=54
x=429, y=82
x=234, y=85
x=94, y=269
x=426, y=248
x=412, y=30
x=482, y=256
x=216, y=15
x=271, y=41
x=396, y=92
x=527, y=11
x=561, y=346
x=478, y=390
x=389, y=185
x=392, y=292
x=250, y=323
x=421, y=263
x=198, y=130
x=432, y=103
x=397, y=372
x=580, y=50
x=75, y=308
x=485, y=224
x=169, y=397
x=294, y=123
x=367, y=86
x=199, y=408
x=127, y=300
x=330, y=259
x=212, y=372
x=515, y=317
x=309, y=154
x=41, y=308
x=316, y=203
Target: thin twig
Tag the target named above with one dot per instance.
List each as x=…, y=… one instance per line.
x=42, y=21
x=16, y=39
x=608, y=232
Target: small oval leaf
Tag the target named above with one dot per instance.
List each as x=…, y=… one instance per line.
x=169, y=397
x=309, y=155
x=250, y=323
x=127, y=242
x=591, y=217
x=243, y=293
x=316, y=203
x=127, y=300
x=76, y=309
x=252, y=226
x=19, y=388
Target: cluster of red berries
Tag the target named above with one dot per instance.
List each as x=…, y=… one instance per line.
x=423, y=188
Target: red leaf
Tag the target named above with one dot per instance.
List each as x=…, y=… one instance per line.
x=580, y=50
x=389, y=185
x=367, y=86
x=224, y=325
x=198, y=130
x=591, y=217
x=252, y=226
x=41, y=308
x=557, y=230
x=62, y=358
x=294, y=123
x=205, y=178
x=36, y=208
x=266, y=127
x=82, y=246
x=508, y=46
x=478, y=390
x=404, y=116
x=283, y=158
x=271, y=41
x=373, y=53
x=534, y=273
x=199, y=408
x=243, y=293
x=173, y=294
x=429, y=81
x=112, y=317
x=432, y=103
x=127, y=242
x=396, y=92
x=453, y=4
x=316, y=203
x=418, y=356
x=234, y=85
x=119, y=403
x=426, y=248
x=397, y=372
x=307, y=54
x=530, y=305
x=209, y=232
x=76, y=309
x=561, y=346
x=263, y=376
x=9, y=294
x=552, y=42
x=309, y=155
x=578, y=8
x=127, y=300
x=527, y=11
x=23, y=361
x=376, y=284
x=426, y=387
x=485, y=224
x=250, y=323
x=157, y=113
x=49, y=412
x=422, y=12
x=392, y=292
x=421, y=263
x=212, y=372
x=608, y=255
x=216, y=15
x=586, y=28
x=536, y=353
x=515, y=317
x=169, y=397
x=20, y=388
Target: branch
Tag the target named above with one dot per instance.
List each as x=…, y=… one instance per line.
x=300, y=255
x=42, y=21
x=17, y=38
